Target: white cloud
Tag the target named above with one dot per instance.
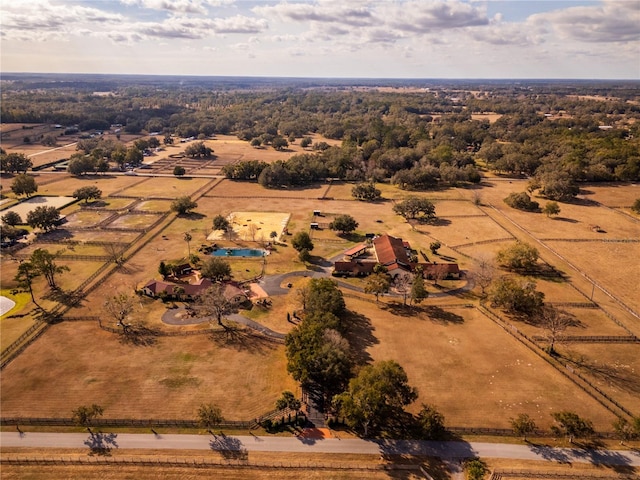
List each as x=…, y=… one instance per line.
x=422, y=17
x=613, y=21
x=324, y=12
x=40, y=19
x=239, y=24
x=178, y=6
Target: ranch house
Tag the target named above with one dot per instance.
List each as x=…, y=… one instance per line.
x=190, y=291
x=394, y=254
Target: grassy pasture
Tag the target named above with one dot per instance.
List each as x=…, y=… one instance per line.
x=86, y=218
x=229, y=189
x=596, y=260
x=168, y=379
x=613, y=370
x=611, y=194
x=169, y=187
x=64, y=184
x=133, y=220
x=154, y=206
x=575, y=222
x=57, y=236
x=588, y=322
x=473, y=371
x=66, y=281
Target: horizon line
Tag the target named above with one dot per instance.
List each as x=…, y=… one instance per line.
x=291, y=77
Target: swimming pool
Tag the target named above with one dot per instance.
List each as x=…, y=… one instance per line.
x=239, y=252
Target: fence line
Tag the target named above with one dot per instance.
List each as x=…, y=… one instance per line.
x=484, y=242
x=592, y=339
x=499, y=474
x=189, y=462
x=567, y=371
x=601, y=240
x=561, y=257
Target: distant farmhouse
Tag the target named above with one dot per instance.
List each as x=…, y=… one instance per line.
x=394, y=254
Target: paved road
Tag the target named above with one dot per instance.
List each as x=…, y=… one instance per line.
x=446, y=450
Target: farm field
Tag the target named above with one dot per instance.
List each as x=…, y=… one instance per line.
x=460, y=361
x=168, y=379
x=467, y=366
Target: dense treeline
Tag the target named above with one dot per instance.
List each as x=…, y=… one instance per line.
x=416, y=139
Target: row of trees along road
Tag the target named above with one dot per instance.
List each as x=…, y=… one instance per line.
x=319, y=356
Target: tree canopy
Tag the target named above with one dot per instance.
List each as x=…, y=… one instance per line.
x=183, y=205
x=517, y=296
x=344, y=224
x=520, y=257
x=24, y=184
x=198, y=150
x=571, y=425
x=11, y=218
x=15, y=162
x=376, y=396
x=43, y=217
x=416, y=208
x=325, y=296
x=45, y=264
x=302, y=241
x=366, y=192
x=87, y=193
x=522, y=201
x=215, y=268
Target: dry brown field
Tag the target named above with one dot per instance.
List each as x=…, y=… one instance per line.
x=231, y=189
x=613, y=370
x=459, y=360
x=597, y=259
x=64, y=184
x=469, y=368
x=170, y=187
x=86, y=218
x=168, y=379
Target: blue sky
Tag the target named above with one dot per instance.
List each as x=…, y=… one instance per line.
x=325, y=38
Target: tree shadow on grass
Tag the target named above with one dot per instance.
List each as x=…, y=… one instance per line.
x=68, y=298
x=609, y=374
x=101, y=443
x=46, y=316
x=229, y=447
x=94, y=204
x=439, y=315
x=360, y=336
x=400, y=309
x=242, y=339
x=138, y=335
x=55, y=236
x=192, y=216
x=438, y=222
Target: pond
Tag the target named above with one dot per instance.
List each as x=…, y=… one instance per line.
x=239, y=252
